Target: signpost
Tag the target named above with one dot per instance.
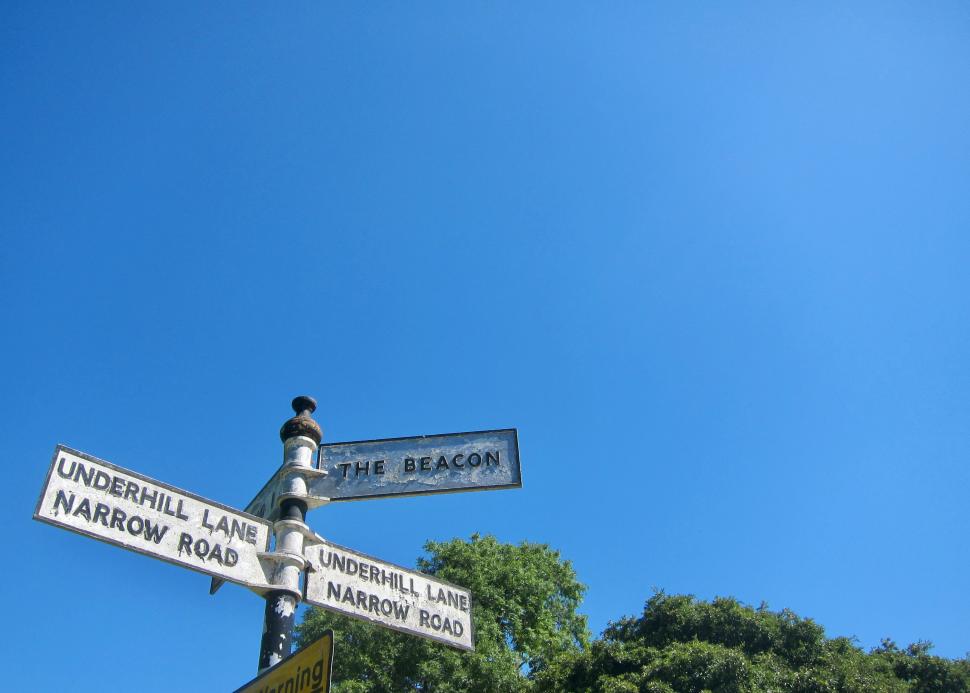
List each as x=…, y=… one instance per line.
x=306, y=671
x=370, y=589
x=116, y=505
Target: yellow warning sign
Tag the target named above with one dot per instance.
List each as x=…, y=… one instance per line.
x=306, y=671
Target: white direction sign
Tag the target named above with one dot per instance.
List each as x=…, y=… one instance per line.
x=368, y=588
x=413, y=466
x=124, y=508
x=419, y=465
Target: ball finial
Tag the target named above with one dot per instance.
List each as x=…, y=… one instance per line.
x=302, y=424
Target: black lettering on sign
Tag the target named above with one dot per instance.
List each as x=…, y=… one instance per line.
x=153, y=533
x=87, y=476
x=60, y=469
x=62, y=499
x=185, y=542
x=345, y=466
x=409, y=464
x=454, y=461
x=206, y=551
x=102, y=481
x=201, y=548
x=101, y=514
x=83, y=510
x=379, y=467
x=425, y=464
x=112, y=518
x=442, y=463
x=339, y=562
x=135, y=525
x=238, y=529
x=491, y=458
x=223, y=526
x=474, y=459
x=150, y=497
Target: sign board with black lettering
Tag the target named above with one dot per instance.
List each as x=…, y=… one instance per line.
x=413, y=466
x=358, y=585
x=121, y=507
x=419, y=465
x=305, y=671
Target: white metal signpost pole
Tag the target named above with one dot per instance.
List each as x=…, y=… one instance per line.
x=301, y=436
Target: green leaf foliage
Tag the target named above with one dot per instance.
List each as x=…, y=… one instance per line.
x=524, y=613
x=682, y=645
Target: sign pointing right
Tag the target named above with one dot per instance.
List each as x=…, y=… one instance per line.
x=419, y=465
x=358, y=585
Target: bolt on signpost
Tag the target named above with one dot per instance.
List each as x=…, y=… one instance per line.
x=130, y=510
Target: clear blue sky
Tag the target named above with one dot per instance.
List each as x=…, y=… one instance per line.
x=711, y=260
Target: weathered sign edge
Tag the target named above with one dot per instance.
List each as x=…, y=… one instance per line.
x=91, y=458
x=514, y=431
x=405, y=494
x=433, y=578
x=272, y=670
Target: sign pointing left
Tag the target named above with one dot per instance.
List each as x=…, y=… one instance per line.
x=121, y=507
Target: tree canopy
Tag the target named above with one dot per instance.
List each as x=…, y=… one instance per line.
x=530, y=638
x=680, y=644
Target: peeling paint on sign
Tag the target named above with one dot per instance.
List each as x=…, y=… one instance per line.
x=121, y=507
x=370, y=589
x=419, y=465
